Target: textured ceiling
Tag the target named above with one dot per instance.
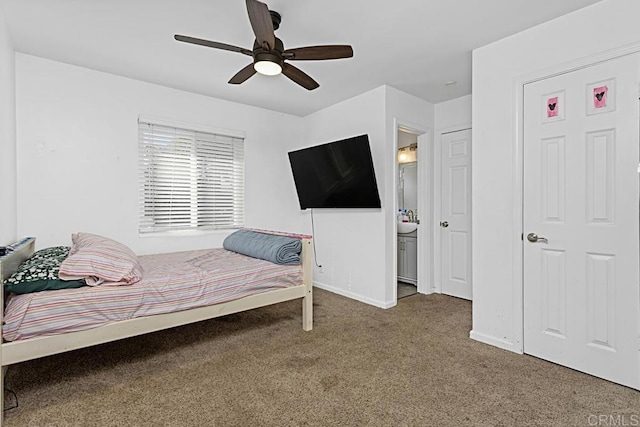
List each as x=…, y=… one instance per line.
x=413, y=45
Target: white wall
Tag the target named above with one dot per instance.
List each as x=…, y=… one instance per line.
x=405, y=139
x=410, y=111
x=78, y=171
x=356, y=247
x=78, y=158
x=606, y=25
x=453, y=114
x=8, y=231
x=350, y=242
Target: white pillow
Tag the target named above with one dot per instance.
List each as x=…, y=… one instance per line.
x=100, y=260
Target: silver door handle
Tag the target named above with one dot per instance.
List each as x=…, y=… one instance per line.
x=444, y=224
x=533, y=237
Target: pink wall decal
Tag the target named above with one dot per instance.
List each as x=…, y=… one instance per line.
x=600, y=96
x=552, y=107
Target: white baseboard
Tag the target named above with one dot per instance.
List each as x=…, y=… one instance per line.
x=354, y=296
x=496, y=342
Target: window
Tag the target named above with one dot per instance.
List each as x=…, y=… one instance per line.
x=189, y=180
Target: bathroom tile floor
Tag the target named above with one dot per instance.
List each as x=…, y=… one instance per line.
x=406, y=289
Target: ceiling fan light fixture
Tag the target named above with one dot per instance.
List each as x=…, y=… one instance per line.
x=267, y=68
x=267, y=64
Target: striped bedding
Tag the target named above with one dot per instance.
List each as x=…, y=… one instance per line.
x=171, y=282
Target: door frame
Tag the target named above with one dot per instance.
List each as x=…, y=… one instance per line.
x=517, y=248
x=437, y=199
x=425, y=205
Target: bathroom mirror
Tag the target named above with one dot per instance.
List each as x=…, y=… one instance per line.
x=408, y=186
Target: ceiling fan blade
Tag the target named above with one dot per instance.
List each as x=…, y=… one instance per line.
x=243, y=75
x=311, y=53
x=209, y=43
x=299, y=77
x=261, y=23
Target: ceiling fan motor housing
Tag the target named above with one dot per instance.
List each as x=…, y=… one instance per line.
x=275, y=19
x=265, y=56
x=274, y=55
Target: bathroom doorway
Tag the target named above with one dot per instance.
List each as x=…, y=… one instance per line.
x=407, y=214
x=412, y=210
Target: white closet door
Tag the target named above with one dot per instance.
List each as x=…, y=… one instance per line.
x=455, y=215
x=581, y=299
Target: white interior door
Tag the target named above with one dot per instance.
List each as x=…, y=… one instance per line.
x=581, y=300
x=455, y=214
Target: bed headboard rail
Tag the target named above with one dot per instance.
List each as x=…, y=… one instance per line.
x=8, y=264
x=21, y=251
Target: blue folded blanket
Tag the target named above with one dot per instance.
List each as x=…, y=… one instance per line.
x=277, y=249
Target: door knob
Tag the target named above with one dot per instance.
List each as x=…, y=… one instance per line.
x=533, y=237
x=444, y=224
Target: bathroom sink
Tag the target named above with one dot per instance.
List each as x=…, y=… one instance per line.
x=407, y=227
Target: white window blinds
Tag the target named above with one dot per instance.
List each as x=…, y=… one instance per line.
x=189, y=179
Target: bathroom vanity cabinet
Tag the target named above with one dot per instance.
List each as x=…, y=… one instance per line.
x=408, y=258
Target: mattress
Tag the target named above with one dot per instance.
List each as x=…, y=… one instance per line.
x=171, y=282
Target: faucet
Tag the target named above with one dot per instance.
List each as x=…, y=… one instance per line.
x=410, y=215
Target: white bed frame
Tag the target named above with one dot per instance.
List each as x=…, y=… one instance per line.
x=34, y=348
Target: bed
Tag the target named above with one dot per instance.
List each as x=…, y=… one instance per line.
x=269, y=284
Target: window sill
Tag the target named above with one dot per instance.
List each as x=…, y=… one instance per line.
x=187, y=233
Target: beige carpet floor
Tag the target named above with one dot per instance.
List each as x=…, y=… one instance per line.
x=412, y=365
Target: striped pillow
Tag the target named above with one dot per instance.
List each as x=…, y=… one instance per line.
x=100, y=260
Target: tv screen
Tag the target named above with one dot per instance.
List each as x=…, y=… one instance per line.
x=336, y=175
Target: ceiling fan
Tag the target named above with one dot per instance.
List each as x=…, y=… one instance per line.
x=269, y=54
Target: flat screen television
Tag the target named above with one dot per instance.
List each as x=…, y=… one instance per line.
x=336, y=175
